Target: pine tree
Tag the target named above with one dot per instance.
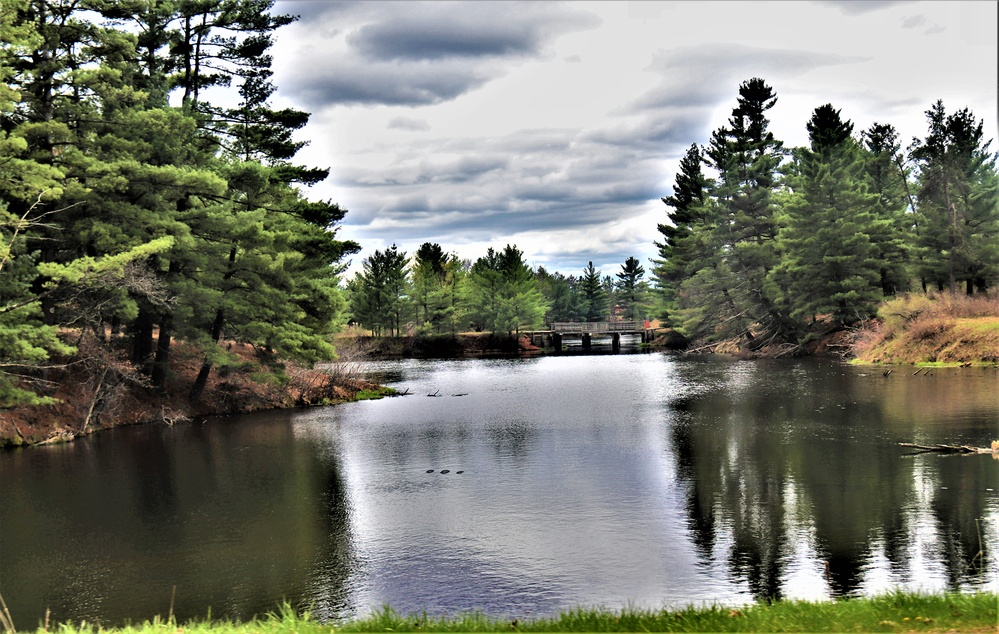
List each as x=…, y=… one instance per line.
x=562, y=295
x=957, y=210
x=435, y=280
x=378, y=294
x=503, y=292
x=592, y=294
x=631, y=289
x=679, y=257
x=724, y=294
x=249, y=257
x=887, y=177
x=828, y=261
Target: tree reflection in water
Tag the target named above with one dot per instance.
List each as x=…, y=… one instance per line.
x=748, y=453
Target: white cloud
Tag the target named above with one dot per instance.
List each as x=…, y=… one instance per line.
x=557, y=127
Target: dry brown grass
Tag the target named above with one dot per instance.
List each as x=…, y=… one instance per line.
x=941, y=328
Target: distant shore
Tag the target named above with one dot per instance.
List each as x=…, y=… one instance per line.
x=916, y=329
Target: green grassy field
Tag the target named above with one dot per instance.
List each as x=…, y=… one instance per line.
x=896, y=612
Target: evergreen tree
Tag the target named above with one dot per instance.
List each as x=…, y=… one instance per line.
x=611, y=307
x=679, y=256
x=828, y=261
x=378, y=297
x=887, y=177
x=957, y=210
x=503, y=292
x=561, y=294
x=26, y=190
x=248, y=257
x=435, y=288
x=592, y=294
x=733, y=236
x=631, y=290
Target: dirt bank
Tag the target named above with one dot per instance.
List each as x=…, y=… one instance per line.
x=939, y=329
x=85, y=405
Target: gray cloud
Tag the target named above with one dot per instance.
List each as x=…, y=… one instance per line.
x=703, y=75
x=919, y=20
x=860, y=7
x=432, y=31
x=405, y=123
x=420, y=53
x=508, y=189
x=311, y=10
x=350, y=82
x=667, y=130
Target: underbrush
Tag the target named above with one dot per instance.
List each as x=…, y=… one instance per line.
x=99, y=388
x=942, y=328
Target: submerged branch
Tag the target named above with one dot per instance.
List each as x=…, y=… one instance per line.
x=965, y=449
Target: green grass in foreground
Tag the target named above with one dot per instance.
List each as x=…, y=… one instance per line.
x=897, y=612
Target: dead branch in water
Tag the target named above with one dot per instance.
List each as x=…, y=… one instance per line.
x=965, y=449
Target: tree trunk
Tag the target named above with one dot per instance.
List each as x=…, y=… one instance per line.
x=161, y=364
x=206, y=366
x=142, y=338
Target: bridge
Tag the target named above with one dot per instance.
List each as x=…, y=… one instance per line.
x=587, y=330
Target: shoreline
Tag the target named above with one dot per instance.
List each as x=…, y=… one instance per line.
x=80, y=410
x=914, y=330
x=893, y=611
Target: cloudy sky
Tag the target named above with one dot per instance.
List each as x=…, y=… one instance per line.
x=558, y=126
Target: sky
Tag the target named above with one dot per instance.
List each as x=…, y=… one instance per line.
x=558, y=127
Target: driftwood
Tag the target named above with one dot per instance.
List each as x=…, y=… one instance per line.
x=965, y=449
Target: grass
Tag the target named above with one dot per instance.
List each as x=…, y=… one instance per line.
x=374, y=394
x=895, y=612
x=942, y=329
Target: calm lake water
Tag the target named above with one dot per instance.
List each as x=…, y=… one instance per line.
x=639, y=480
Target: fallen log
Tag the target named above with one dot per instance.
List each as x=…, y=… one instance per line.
x=952, y=448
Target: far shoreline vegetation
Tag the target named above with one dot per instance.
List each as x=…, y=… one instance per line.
x=892, y=612
x=159, y=260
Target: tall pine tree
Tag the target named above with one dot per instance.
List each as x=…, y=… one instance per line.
x=829, y=264
x=958, y=214
x=679, y=255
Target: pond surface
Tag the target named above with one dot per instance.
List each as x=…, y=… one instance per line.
x=639, y=480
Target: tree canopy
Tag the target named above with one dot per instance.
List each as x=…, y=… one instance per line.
x=763, y=242
x=140, y=218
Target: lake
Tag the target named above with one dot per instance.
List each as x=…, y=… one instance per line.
x=524, y=487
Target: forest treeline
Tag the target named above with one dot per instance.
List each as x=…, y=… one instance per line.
x=764, y=241
x=763, y=244
x=137, y=208
x=435, y=292
x=149, y=194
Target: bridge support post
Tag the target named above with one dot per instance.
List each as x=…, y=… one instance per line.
x=616, y=342
x=586, y=341
x=556, y=341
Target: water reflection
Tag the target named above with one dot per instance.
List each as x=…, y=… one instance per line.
x=748, y=452
x=222, y=517
x=608, y=480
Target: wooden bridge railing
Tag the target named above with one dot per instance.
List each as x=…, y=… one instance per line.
x=598, y=326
